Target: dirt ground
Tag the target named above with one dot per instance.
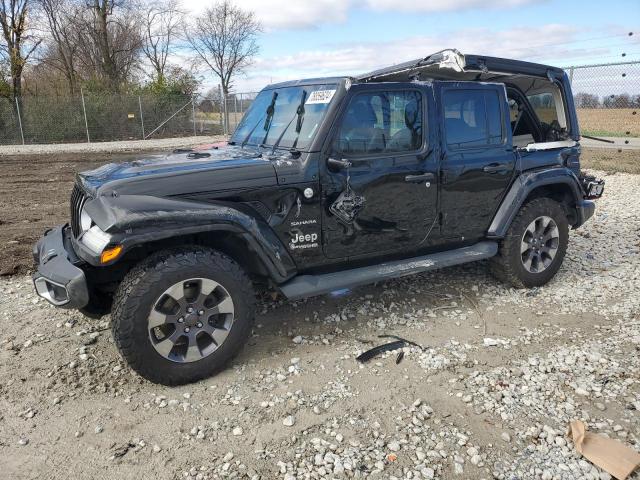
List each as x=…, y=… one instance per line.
x=490, y=396
x=617, y=122
x=34, y=194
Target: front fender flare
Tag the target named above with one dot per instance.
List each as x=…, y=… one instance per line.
x=524, y=184
x=135, y=220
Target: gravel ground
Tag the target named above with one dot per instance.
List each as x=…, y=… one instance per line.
x=490, y=396
x=108, y=147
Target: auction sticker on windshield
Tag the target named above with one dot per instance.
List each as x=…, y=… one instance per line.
x=320, y=96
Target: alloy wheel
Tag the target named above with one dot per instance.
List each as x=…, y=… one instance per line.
x=190, y=320
x=539, y=244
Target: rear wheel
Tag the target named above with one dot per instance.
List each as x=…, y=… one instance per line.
x=535, y=245
x=181, y=315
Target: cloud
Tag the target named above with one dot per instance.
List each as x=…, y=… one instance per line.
x=308, y=14
x=426, y=6
x=517, y=42
x=552, y=43
x=290, y=14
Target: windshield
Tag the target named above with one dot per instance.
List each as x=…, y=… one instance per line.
x=287, y=117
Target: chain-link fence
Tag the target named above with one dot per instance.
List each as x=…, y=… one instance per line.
x=213, y=117
x=99, y=118
x=607, y=98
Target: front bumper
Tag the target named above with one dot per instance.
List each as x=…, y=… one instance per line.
x=57, y=279
x=584, y=210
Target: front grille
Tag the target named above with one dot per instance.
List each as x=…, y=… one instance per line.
x=78, y=198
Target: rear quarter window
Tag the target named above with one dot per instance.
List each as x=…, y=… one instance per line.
x=545, y=107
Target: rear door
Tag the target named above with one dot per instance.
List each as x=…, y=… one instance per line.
x=477, y=160
x=379, y=174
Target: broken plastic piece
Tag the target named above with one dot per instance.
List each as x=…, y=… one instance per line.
x=612, y=456
x=387, y=347
x=375, y=351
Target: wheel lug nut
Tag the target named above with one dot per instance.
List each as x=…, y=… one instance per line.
x=190, y=310
x=199, y=325
x=180, y=320
x=201, y=312
x=186, y=329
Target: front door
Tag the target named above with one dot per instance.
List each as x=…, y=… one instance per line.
x=478, y=160
x=379, y=175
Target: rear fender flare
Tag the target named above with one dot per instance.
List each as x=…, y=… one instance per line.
x=135, y=220
x=523, y=185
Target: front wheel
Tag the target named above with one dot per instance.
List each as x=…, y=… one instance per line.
x=181, y=315
x=535, y=245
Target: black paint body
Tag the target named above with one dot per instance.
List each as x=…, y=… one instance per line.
x=282, y=205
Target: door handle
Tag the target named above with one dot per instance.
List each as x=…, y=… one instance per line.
x=425, y=177
x=338, y=163
x=495, y=167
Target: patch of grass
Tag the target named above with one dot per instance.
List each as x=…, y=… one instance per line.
x=605, y=133
x=611, y=160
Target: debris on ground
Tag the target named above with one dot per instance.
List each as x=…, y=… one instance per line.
x=607, y=453
x=387, y=347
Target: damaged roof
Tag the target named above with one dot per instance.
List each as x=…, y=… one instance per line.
x=451, y=64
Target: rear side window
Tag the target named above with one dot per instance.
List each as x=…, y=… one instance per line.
x=382, y=122
x=472, y=118
x=545, y=107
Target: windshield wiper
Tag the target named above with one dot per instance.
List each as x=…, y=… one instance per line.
x=300, y=116
x=267, y=121
x=269, y=111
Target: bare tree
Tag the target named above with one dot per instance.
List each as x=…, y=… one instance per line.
x=19, y=40
x=110, y=41
x=63, y=19
x=162, y=24
x=224, y=38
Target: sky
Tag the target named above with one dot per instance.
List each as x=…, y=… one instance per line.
x=311, y=38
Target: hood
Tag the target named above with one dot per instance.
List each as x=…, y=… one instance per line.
x=185, y=171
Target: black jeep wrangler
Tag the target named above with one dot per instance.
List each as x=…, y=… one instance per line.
x=326, y=184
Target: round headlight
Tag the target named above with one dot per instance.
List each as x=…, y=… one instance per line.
x=85, y=221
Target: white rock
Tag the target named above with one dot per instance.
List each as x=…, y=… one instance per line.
x=393, y=445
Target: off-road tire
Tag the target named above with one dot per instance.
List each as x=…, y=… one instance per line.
x=507, y=266
x=142, y=286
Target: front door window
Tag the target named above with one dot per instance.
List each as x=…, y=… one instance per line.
x=381, y=122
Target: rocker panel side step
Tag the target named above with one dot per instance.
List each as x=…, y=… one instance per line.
x=310, y=285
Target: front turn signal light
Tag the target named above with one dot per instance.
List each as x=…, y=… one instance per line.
x=110, y=254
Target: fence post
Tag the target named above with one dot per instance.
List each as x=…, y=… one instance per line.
x=141, y=116
x=223, y=112
x=19, y=119
x=193, y=113
x=235, y=110
x=220, y=107
x=571, y=76
x=84, y=110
